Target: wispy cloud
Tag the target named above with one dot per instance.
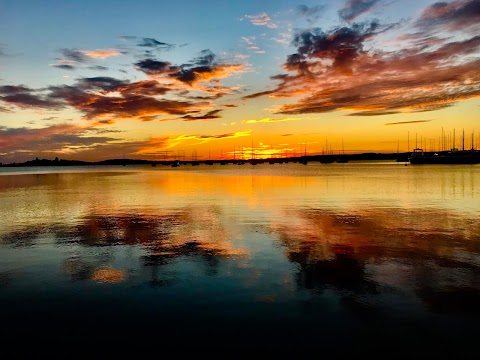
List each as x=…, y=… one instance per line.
x=64, y=66
x=312, y=13
x=355, y=8
x=408, y=122
x=454, y=15
x=211, y=115
x=73, y=55
x=53, y=138
x=261, y=20
x=101, y=53
x=25, y=97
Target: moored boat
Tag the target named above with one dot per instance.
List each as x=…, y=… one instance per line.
x=445, y=157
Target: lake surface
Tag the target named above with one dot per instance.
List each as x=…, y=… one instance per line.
x=362, y=257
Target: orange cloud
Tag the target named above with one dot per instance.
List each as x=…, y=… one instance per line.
x=261, y=20
x=332, y=71
x=101, y=53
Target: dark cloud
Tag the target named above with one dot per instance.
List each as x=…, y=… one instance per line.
x=341, y=46
x=25, y=97
x=4, y=109
x=64, y=67
x=74, y=55
x=14, y=89
x=104, y=122
x=205, y=67
x=355, y=8
x=312, y=13
x=127, y=105
x=148, y=118
x=93, y=97
x=154, y=67
x=153, y=43
x=105, y=83
x=259, y=94
x=211, y=115
x=98, y=68
x=146, y=87
x=408, y=122
x=231, y=105
x=455, y=15
x=374, y=113
x=191, y=72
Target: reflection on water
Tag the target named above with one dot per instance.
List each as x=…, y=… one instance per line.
x=341, y=258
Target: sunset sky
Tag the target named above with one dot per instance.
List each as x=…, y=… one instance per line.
x=95, y=80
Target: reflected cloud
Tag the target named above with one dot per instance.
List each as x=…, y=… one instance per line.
x=108, y=275
x=366, y=256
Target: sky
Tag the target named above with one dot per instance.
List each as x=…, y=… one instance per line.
x=95, y=80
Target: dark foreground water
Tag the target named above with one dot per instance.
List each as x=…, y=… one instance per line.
x=358, y=258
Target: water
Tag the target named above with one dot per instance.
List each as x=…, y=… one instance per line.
x=371, y=257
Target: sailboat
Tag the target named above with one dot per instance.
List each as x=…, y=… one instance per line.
x=304, y=158
x=342, y=158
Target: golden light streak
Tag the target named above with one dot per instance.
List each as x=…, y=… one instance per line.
x=270, y=120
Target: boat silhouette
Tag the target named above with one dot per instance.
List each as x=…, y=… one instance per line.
x=418, y=156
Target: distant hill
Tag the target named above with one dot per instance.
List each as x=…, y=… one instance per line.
x=62, y=162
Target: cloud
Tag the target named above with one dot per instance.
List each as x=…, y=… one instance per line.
x=170, y=90
x=231, y=105
x=102, y=96
x=25, y=97
x=205, y=68
x=64, y=67
x=270, y=120
x=211, y=115
x=155, y=67
x=101, y=53
x=153, y=43
x=126, y=105
x=261, y=20
x=98, y=68
x=250, y=41
x=454, y=15
x=408, y=122
x=374, y=113
x=334, y=70
x=104, y=122
x=52, y=138
x=74, y=55
x=355, y=8
x=312, y=14
x=68, y=140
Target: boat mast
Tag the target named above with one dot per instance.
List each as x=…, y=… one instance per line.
x=453, y=139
